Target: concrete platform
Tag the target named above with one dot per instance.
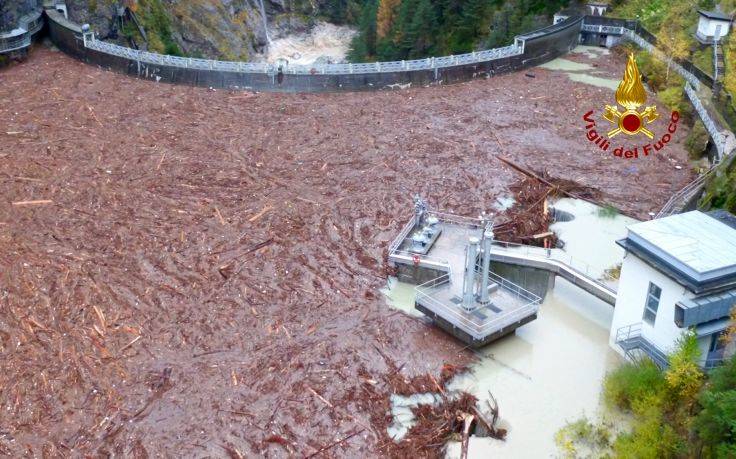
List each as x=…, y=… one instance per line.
x=510, y=307
x=440, y=297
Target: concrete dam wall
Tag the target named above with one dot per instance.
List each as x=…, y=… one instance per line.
x=528, y=50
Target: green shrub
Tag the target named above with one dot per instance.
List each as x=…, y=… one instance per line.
x=607, y=211
x=684, y=376
x=675, y=99
x=157, y=23
x=584, y=438
x=652, y=69
x=716, y=423
x=720, y=191
x=697, y=141
x=652, y=438
x=703, y=59
x=632, y=383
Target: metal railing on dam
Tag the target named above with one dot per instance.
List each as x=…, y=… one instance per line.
x=429, y=63
x=527, y=50
x=603, y=29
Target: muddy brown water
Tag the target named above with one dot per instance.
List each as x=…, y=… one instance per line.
x=136, y=316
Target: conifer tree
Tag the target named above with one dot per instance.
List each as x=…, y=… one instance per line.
x=363, y=45
x=418, y=37
x=385, y=17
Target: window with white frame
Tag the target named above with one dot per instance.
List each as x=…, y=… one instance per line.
x=652, y=303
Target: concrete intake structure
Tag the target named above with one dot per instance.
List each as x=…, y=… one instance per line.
x=475, y=305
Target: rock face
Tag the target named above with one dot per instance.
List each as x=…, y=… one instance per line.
x=224, y=29
x=11, y=10
x=99, y=15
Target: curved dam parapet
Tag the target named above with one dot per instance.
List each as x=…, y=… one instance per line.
x=19, y=38
x=528, y=50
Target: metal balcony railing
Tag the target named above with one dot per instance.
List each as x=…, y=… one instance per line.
x=394, y=249
x=527, y=303
x=631, y=339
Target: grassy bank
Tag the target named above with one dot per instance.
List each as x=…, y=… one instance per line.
x=676, y=413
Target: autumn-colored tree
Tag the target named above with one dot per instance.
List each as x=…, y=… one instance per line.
x=131, y=4
x=684, y=377
x=385, y=17
x=673, y=38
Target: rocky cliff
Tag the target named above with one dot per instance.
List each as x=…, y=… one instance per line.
x=11, y=10
x=223, y=29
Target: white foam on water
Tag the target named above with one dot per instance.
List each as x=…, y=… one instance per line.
x=504, y=203
x=324, y=40
x=403, y=418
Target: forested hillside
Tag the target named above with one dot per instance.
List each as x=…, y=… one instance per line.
x=674, y=23
x=408, y=29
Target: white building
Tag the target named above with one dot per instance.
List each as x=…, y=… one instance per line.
x=712, y=26
x=678, y=273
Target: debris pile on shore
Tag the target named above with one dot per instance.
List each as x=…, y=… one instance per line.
x=527, y=222
x=455, y=417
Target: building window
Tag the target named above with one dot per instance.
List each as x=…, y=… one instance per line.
x=652, y=304
x=717, y=342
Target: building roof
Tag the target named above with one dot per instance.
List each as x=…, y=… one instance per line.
x=716, y=14
x=697, y=249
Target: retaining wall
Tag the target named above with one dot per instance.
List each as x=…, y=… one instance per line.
x=536, y=280
x=534, y=48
